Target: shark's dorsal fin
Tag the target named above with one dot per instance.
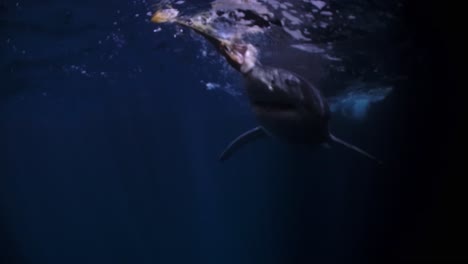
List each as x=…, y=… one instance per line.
x=248, y=136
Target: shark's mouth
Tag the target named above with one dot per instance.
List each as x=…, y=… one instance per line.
x=271, y=106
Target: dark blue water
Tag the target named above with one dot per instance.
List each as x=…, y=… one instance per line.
x=109, y=143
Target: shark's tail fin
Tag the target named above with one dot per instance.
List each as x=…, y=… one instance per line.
x=350, y=146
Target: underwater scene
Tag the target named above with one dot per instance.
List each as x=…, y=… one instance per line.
x=227, y=131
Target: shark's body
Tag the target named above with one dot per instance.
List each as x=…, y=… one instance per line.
x=288, y=108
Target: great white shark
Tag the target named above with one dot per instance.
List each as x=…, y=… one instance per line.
x=287, y=106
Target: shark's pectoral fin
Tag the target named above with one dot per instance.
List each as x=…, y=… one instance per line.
x=241, y=140
x=351, y=146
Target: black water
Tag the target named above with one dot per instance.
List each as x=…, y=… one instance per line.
x=109, y=146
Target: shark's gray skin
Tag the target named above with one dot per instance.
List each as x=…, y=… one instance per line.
x=287, y=106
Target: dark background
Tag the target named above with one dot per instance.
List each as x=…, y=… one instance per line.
x=108, y=152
